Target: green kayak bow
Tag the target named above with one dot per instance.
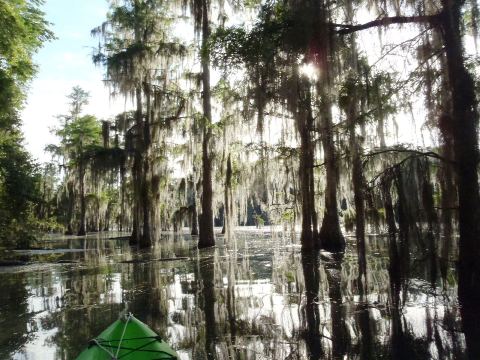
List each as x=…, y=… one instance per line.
x=130, y=339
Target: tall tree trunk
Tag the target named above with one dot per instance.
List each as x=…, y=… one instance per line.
x=135, y=238
x=261, y=103
x=83, y=208
x=304, y=120
x=71, y=207
x=447, y=186
x=358, y=191
x=464, y=131
x=359, y=186
x=146, y=239
x=206, y=236
x=192, y=205
x=446, y=174
x=122, y=221
x=137, y=170
x=306, y=236
x=331, y=236
x=381, y=129
x=228, y=212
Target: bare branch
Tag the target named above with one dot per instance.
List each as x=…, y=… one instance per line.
x=386, y=21
x=409, y=151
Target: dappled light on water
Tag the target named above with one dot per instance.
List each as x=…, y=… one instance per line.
x=265, y=301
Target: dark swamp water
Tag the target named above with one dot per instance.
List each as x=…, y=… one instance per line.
x=266, y=300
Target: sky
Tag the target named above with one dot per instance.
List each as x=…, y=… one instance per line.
x=64, y=63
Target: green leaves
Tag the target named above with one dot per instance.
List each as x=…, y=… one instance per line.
x=23, y=31
x=83, y=131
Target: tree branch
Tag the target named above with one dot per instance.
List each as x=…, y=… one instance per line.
x=409, y=151
x=386, y=21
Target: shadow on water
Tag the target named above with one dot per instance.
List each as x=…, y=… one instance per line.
x=266, y=300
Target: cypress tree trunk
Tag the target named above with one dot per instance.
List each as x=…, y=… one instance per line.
x=304, y=120
x=464, y=131
x=71, y=207
x=448, y=203
x=356, y=162
x=306, y=236
x=135, y=238
x=228, y=213
x=206, y=237
x=192, y=205
x=331, y=237
x=137, y=170
x=358, y=190
x=146, y=239
x=83, y=208
x=314, y=214
x=381, y=130
x=261, y=103
x=122, y=222
x=194, y=219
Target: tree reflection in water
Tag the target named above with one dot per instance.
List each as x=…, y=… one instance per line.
x=265, y=301
x=311, y=313
x=207, y=301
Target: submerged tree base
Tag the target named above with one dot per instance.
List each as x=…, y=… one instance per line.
x=331, y=237
x=206, y=244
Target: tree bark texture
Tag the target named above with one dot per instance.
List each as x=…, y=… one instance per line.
x=304, y=120
x=331, y=236
x=206, y=235
x=83, y=206
x=228, y=198
x=358, y=189
x=146, y=238
x=135, y=238
x=464, y=131
x=71, y=207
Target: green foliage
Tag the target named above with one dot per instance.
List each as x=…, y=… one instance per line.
x=77, y=133
x=80, y=134
x=288, y=216
x=133, y=37
x=24, y=30
x=279, y=28
x=22, y=33
x=19, y=194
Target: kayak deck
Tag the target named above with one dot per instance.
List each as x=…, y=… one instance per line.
x=130, y=339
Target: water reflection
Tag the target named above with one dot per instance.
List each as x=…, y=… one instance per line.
x=311, y=312
x=267, y=300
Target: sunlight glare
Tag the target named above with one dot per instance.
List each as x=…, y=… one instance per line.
x=309, y=70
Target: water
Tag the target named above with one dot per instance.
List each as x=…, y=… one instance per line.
x=264, y=301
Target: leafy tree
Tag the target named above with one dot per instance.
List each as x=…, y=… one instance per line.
x=23, y=32
x=78, y=136
x=136, y=51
